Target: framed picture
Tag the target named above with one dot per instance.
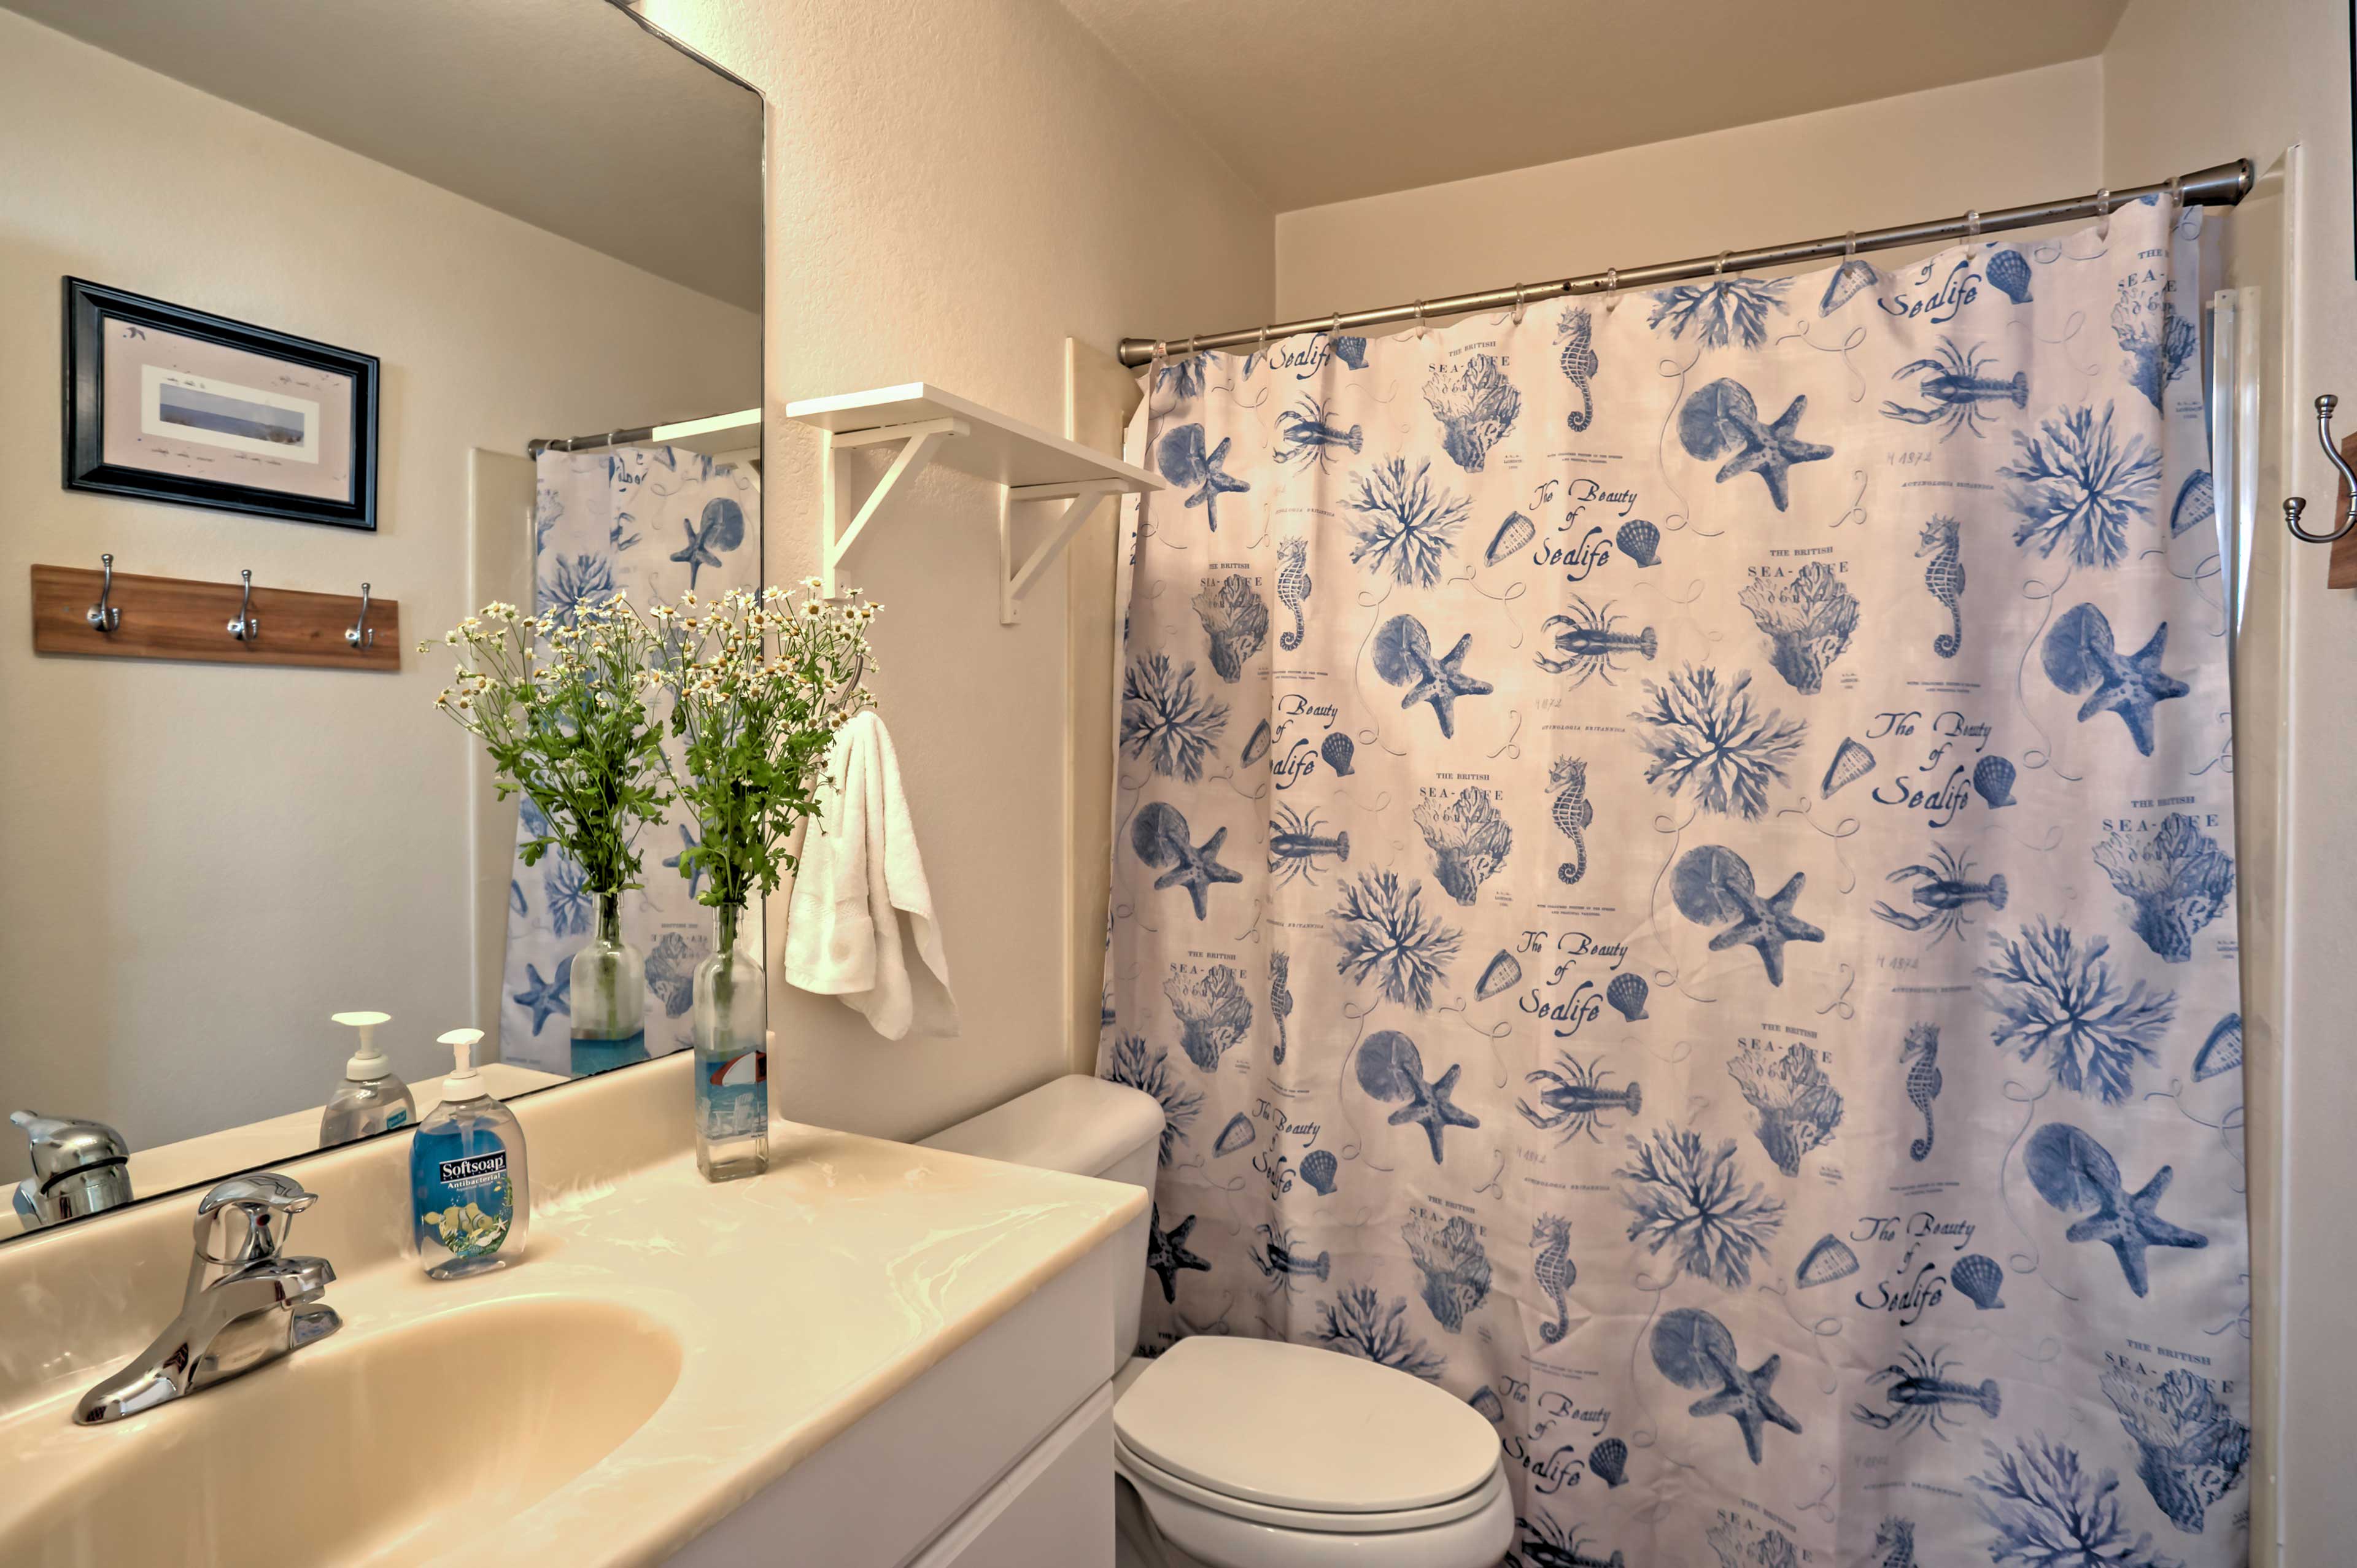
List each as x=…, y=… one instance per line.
x=171, y=405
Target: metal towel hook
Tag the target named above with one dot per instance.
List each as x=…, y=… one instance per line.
x=247, y=626
x=102, y=615
x=2295, y=505
x=360, y=634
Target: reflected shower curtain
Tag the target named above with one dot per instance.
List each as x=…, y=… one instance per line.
x=1673, y=877
x=653, y=522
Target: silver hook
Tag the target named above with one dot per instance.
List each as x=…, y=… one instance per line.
x=359, y=633
x=2295, y=505
x=247, y=626
x=102, y=615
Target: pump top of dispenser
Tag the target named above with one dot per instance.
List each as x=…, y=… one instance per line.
x=367, y=1064
x=464, y=1082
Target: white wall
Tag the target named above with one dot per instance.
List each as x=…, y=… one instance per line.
x=2001, y=142
x=954, y=190
x=202, y=862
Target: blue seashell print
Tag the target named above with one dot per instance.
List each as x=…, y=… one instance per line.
x=1852, y=278
x=1979, y=1279
x=1503, y=973
x=1256, y=746
x=1239, y=1134
x=2009, y=274
x=1317, y=1168
x=1513, y=534
x=1627, y=994
x=2221, y=1051
x=1475, y=406
x=1203, y=474
x=2196, y=505
x=1829, y=1260
x=721, y=529
x=1610, y=1461
x=1721, y=421
x=1351, y=350
x=1639, y=540
x=1337, y=750
x=1993, y=779
x=1486, y=1401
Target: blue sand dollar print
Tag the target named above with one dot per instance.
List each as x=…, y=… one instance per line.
x=1576, y=327
x=1993, y=781
x=1214, y=1015
x=2077, y=484
x=1944, y=577
x=1921, y=1392
x=1469, y=840
x=1239, y=1134
x=670, y=971
x=1722, y=421
x=1317, y=1168
x=2081, y=656
x=1808, y=618
x=1360, y=1323
x=1160, y=838
x=1386, y=938
x=2196, y=504
x=1576, y=1099
x=1475, y=406
x=1573, y=814
x=1554, y=1272
x=1203, y=474
x=1626, y=996
x=1944, y=894
x=1798, y=1106
x=1978, y=1279
x=1296, y=846
x=1391, y=1068
x=544, y=997
x=1829, y=1260
x=2160, y=343
x=1235, y=619
x=1707, y=732
x=1147, y=1069
x=2075, y=1174
x=1501, y=974
x=1639, y=540
x=1406, y=523
x=2190, y=1451
x=2047, y=1506
x=2177, y=879
x=1956, y=390
x=1293, y=585
x=1337, y=751
x=1920, y=1051
x=1455, y=1267
x=1713, y=885
x=1281, y=1260
x=1852, y=761
x=2055, y=1002
x=1588, y=641
x=722, y=528
x=2221, y=1051
x=1693, y=1349
x=1724, y=311
x=575, y=581
x=1166, y=721
x=1852, y=278
x=1306, y=432
x=1403, y=657
x=1610, y=1461
x=1167, y=1256
x=1280, y=1000
x=1513, y=534
x=1693, y=1202
x=2009, y=273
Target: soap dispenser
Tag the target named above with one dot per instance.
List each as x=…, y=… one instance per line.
x=370, y=1098
x=469, y=1193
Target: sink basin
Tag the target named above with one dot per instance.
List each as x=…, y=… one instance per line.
x=374, y=1448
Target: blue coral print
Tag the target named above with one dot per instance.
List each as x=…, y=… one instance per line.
x=1672, y=877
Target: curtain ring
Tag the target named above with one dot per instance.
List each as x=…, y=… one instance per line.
x=1973, y=224
x=1849, y=246
x=1334, y=327
x=1720, y=269
x=1611, y=290
x=2176, y=194
x=1518, y=303
x=2104, y=202
x=1421, y=328
x=1191, y=350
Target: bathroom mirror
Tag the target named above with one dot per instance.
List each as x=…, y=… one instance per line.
x=382, y=255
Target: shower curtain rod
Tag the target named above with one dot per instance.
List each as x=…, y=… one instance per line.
x=2223, y=185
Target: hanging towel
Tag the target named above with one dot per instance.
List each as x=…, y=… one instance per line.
x=861, y=902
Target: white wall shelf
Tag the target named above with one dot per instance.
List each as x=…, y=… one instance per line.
x=931, y=426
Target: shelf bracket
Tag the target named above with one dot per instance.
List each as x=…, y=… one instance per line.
x=1082, y=501
x=919, y=443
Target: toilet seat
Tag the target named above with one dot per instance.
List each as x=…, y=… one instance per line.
x=1147, y=1477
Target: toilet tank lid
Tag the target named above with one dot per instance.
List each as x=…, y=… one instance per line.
x=1298, y=1427
x=1082, y=1125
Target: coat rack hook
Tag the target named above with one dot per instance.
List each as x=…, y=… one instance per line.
x=359, y=633
x=2295, y=505
x=102, y=615
x=247, y=626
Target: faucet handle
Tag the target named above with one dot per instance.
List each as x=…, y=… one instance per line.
x=246, y=1218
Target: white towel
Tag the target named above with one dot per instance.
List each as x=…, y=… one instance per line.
x=860, y=899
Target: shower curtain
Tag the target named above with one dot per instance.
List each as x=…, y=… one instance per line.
x=1673, y=877
x=652, y=521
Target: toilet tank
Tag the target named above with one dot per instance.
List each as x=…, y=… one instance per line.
x=1088, y=1127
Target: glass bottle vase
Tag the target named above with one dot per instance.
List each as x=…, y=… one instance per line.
x=609, y=994
x=732, y=1059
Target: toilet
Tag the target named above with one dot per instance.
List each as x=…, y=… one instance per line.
x=1244, y=1453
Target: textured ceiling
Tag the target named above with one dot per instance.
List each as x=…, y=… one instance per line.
x=1319, y=100
x=566, y=113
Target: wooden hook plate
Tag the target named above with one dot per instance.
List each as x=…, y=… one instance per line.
x=173, y=618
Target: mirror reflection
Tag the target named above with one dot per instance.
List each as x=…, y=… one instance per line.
x=367, y=318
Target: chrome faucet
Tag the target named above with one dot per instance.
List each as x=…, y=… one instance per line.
x=247, y=1304
x=78, y=1167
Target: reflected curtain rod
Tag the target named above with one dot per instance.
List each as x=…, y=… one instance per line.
x=2223, y=185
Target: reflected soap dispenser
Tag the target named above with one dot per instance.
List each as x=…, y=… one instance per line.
x=370, y=1098
x=470, y=1196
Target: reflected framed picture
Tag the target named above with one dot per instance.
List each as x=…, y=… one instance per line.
x=170, y=404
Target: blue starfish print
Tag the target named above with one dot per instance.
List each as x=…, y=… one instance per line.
x=688, y=840
x=1428, y=1103
x=1162, y=838
x=2126, y=1222
x=1403, y=658
x=1185, y=462
x=1746, y=1399
x=1766, y=924
x=1768, y=450
x=1167, y=1253
x=547, y=996
x=2081, y=654
x=723, y=528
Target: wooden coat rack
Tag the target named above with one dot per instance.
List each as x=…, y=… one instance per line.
x=106, y=614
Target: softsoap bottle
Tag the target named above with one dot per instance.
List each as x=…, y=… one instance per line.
x=470, y=1196
x=370, y=1098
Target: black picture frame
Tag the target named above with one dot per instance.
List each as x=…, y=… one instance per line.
x=88, y=306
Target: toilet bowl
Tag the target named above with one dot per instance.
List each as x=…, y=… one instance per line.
x=1241, y=1452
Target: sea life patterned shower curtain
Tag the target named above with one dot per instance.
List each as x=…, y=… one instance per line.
x=1674, y=876
x=653, y=522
